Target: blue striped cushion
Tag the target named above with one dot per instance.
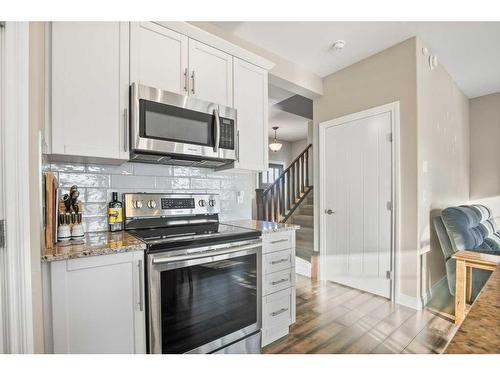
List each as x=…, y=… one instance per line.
x=471, y=228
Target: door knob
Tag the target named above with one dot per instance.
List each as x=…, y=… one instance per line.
x=329, y=211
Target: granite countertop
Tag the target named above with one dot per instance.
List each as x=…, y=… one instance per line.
x=263, y=226
x=480, y=331
x=92, y=244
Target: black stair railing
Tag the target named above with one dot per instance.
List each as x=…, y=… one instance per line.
x=278, y=201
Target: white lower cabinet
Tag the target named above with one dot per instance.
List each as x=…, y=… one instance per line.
x=98, y=304
x=278, y=286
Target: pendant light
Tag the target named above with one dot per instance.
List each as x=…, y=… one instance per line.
x=275, y=146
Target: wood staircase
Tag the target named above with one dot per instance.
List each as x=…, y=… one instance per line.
x=279, y=201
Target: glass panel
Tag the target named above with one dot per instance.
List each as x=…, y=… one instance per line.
x=205, y=302
x=160, y=125
x=165, y=122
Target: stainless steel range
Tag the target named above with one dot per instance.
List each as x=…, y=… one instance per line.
x=203, y=277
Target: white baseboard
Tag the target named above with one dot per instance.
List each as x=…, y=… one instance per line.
x=409, y=301
x=419, y=303
x=302, y=267
x=437, y=285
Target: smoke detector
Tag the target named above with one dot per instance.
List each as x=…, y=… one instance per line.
x=338, y=45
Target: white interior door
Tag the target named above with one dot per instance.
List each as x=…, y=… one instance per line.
x=356, y=195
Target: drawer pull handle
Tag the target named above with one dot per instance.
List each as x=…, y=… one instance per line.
x=279, y=282
x=279, y=261
x=280, y=311
x=282, y=240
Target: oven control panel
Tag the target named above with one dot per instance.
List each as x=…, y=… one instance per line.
x=139, y=205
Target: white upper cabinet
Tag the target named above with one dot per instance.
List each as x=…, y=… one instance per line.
x=210, y=73
x=250, y=101
x=158, y=57
x=90, y=71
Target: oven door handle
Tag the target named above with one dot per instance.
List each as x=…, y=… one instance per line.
x=217, y=130
x=207, y=254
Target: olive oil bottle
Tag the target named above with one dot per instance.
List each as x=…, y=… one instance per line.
x=115, y=214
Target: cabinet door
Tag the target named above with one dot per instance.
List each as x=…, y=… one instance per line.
x=158, y=57
x=211, y=74
x=250, y=101
x=98, y=304
x=90, y=88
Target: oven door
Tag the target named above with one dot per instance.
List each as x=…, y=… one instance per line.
x=163, y=122
x=204, y=299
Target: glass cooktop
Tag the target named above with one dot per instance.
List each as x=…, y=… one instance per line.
x=174, y=237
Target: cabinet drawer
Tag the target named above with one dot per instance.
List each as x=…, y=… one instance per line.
x=277, y=241
x=278, y=261
x=278, y=310
x=278, y=281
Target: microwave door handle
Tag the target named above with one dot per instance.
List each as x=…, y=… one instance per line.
x=217, y=131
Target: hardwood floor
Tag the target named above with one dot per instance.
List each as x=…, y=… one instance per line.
x=333, y=318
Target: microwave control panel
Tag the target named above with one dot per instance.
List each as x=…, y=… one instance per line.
x=227, y=134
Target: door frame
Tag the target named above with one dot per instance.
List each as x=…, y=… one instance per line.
x=393, y=109
x=15, y=257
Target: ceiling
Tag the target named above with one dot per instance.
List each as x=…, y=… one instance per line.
x=469, y=50
x=291, y=127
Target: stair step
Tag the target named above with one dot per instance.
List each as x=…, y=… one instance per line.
x=304, y=243
x=306, y=221
x=306, y=209
x=305, y=234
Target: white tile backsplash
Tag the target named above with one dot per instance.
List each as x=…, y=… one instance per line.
x=172, y=183
x=97, y=182
x=132, y=182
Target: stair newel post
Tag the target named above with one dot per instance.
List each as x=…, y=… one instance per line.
x=307, y=166
x=282, y=196
x=275, y=203
x=297, y=182
x=287, y=175
x=292, y=170
x=302, y=174
x=278, y=201
x=259, y=201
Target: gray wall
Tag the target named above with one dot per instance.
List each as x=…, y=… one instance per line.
x=485, y=152
x=383, y=78
x=443, y=158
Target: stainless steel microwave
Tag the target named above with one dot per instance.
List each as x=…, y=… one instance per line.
x=169, y=128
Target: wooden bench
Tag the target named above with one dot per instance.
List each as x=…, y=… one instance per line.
x=466, y=261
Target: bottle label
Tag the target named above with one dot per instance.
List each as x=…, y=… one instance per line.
x=115, y=215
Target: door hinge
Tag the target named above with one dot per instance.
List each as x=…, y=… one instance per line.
x=389, y=205
x=2, y=233
x=389, y=137
x=388, y=275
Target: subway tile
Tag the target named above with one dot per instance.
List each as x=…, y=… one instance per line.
x=95, y=209
x=200, y=183
x=175, y=183
x=66, y=167
x=83, y=180
x=96, y=195
x=96, y=224
x=81, y=197
x=142, y=169
x=189, y=171
x=228, y=195
x=125, y=168
x=132, y=182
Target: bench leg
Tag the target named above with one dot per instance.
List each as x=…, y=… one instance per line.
x=460, y=291
x=468, y=275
